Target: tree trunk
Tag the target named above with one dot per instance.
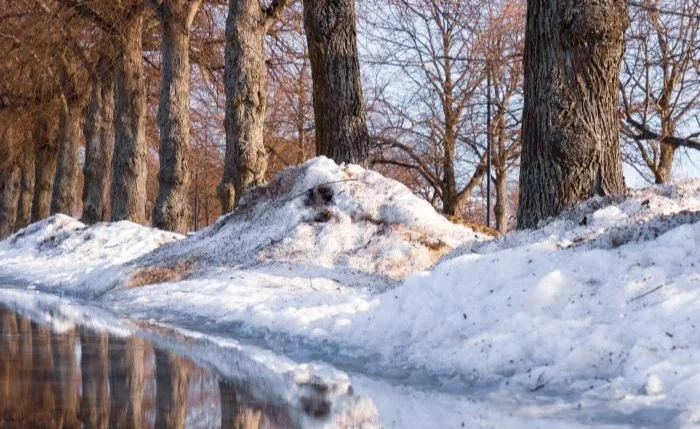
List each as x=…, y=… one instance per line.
x=44, y=173
x=65, y=182
x=10, y=178
x=99, y=141
x=94, y=366
x=24, y=207
x=341, y=129
x=570, y=118
x=128, y=191
x=662, y=174
x=171, y=391
x=170, y=212
x=245, y=83
x=500, y=209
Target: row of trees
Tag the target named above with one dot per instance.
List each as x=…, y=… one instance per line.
x=107, y=44
x=445, y=92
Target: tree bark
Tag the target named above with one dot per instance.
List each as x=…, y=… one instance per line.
x=245, y=84
x=570, y=118
x=65, y=182
x=44, y=173
x=339, y=112
x=128, y=190
x=170, y=212
x=500, y=209
x=24, y=207
x=99, y=141
x=10, y=178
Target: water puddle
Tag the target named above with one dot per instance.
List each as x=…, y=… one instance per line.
x=68, y=375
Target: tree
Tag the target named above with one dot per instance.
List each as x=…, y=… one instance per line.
x=128, y=191
x=44, y=168
x=72, y=101
x=339, y=111
x=175, y=17
x=245, y=162
x=99, y=143
x=570, y=140
x=10, y=177
x=28, y=159
x=660, y=86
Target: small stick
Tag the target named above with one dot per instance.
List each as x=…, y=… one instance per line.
x=647, y=293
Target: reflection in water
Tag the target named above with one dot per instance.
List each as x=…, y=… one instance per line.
x=80, y=378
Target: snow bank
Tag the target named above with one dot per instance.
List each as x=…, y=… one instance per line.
x=601, y=305
x=61, y=251
x=344, y=223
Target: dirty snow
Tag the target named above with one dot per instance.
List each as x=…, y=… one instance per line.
x=590, y=320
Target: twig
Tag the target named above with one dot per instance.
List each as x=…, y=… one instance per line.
x=647, y=293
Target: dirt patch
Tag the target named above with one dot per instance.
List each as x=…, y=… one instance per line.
x=159, y=274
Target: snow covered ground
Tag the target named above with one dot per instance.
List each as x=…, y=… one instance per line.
x=591, y=320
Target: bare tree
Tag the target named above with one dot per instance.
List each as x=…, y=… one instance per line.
x=339, y=111
x=128, y=192
x=435, y=125
x=24, y=206
x=175, y=18
x=571, y=148
x=99, y=143
x=44, y=168
x=10, y=177
x=660, y=86
x=72, y=103
x=245, y=80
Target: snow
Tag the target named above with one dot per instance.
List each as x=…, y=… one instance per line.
x=593, y=319
x=62, y=252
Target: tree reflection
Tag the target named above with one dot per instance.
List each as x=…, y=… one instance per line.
x=83, y=378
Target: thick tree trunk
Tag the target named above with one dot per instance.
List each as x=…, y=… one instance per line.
x=170, y=212
x=94, y=366
x=570, y=118
x=24, y=206
x=501, y=207
x=65, y=183
x=44, y=173
x=341, y=129
x=99, y=142
x=171, y=391
x=10, y=178
x=128, y=191
x=245, y=81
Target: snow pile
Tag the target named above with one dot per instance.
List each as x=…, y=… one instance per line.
x=604, y=310
x=345, y=223
x=61, y=251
